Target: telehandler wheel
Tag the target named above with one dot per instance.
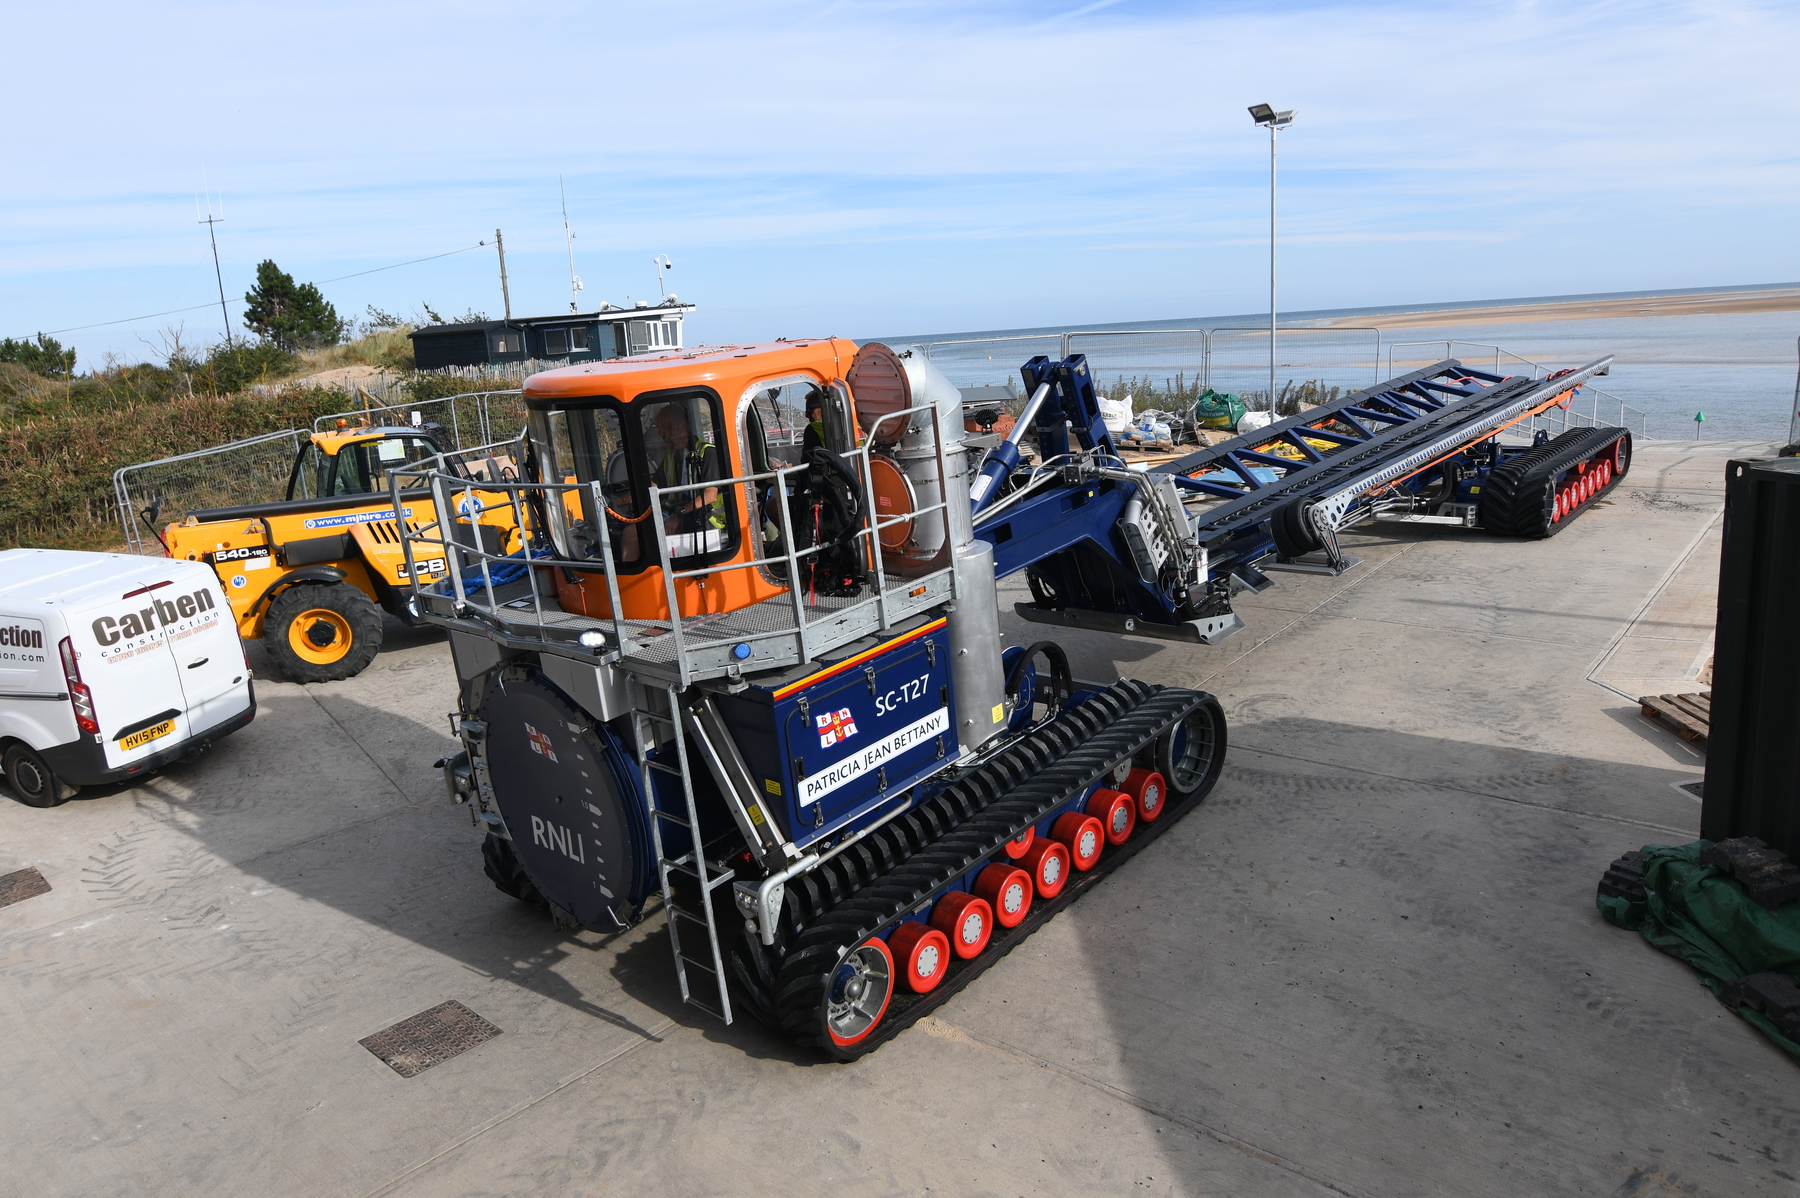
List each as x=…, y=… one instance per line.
x=33, y=781
x=323, y=633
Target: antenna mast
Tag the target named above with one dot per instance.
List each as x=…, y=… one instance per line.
x=569, y=240
x=211, y=232
x=505, y=295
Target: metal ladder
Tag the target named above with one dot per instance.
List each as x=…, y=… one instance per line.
x=692, y=863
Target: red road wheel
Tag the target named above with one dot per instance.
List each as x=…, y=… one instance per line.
x=966, y=921
x=1007, y=890
x=1117, y=813
x=1084, y=836
x=1556, y=508
x=1149, y=789
x=1605, y=471
x=860, y=990
x=1016, y=848
x=922, y=954
x=1048, y=864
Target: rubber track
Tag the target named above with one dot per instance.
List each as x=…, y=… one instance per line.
x=887, y=876
x=1516, y=499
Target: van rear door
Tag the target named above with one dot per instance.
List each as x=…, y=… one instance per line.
x=209, y=656
x=123, y=651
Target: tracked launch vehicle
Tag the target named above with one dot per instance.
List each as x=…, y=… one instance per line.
x=748, y=659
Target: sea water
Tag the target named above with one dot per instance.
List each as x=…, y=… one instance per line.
x=1739, y=369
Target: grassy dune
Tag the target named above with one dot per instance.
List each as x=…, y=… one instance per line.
x=62, y=439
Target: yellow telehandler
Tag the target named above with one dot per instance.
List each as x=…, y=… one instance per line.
x=310, y=573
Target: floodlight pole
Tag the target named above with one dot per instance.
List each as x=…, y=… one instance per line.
x=1264, y=114
x=1273, y=131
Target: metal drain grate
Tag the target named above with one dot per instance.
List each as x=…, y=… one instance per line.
x=429, y=1038
x=1691, y=789
x=17, y=887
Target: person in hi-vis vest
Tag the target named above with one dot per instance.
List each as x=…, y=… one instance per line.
x=694, y=520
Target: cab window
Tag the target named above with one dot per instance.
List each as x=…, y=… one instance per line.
x=585, y=445
x=359, y=469
x=782, y=420
x=683, y=452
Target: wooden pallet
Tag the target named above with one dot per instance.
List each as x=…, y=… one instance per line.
x=1690, y=715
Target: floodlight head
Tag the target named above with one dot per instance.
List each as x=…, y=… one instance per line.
x=1261, y=113
x=1285, y=117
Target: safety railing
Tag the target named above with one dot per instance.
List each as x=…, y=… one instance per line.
x=472, y=418
x=507, y=589
x=1555, y=420
x=1350, y=374
x=1794, y=421
x=841, y=624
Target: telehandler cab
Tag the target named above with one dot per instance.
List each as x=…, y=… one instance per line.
x=306, y=572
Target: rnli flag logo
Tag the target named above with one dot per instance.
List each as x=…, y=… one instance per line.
x=540, y=744
x=835, y=726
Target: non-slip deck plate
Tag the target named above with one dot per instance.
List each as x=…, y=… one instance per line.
x=429, y=1038
x=17, y=887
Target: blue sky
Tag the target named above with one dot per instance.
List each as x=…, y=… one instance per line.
x=889, y=167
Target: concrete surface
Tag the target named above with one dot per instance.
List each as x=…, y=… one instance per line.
x=1370, y=964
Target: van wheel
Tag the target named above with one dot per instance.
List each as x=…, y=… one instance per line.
x=33, y=781
x=322, y=633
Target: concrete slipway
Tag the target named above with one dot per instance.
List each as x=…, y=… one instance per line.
x=1369, y=965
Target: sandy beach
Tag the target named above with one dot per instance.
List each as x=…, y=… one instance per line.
x=1710, y=303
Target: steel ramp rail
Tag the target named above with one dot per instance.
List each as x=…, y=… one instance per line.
x=1382, y=434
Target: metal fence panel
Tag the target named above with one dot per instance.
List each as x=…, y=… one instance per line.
x=1310, y=363
x=468, y=420
x=253, y=470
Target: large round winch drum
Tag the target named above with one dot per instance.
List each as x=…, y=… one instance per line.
x=565, y=791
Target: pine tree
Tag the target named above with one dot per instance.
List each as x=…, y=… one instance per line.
x=290, y=316
x=47, y=357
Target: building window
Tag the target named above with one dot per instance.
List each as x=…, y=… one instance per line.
x=648, y=335
x=507, y=343
x=578, y=340
x=556, y=343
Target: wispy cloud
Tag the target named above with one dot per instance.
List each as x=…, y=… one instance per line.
x=916, y=162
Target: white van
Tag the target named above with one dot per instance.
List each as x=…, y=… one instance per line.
x=111, y=666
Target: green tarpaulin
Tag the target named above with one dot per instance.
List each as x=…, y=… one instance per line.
x=1694, y=912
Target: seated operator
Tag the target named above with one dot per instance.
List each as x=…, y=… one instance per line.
x=815, y=424
x=694, y=520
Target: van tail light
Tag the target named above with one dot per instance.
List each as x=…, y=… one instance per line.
x=80, y=697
